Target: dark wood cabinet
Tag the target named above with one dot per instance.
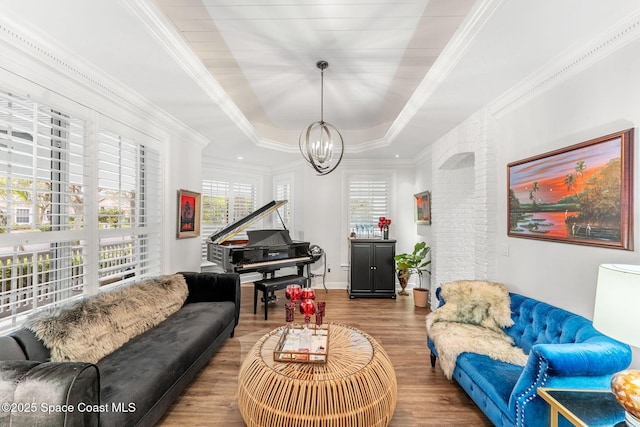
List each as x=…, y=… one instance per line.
x=372, y=268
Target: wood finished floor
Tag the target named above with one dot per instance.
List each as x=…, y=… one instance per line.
x=425, y=396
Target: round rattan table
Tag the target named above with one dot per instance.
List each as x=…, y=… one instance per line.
x=356, y=386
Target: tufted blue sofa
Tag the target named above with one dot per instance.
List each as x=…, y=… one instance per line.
x=565, y=351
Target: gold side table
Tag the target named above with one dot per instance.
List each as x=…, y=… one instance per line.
x=357, y=385
x=583, y=408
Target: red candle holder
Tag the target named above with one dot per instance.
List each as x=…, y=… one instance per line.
x=308, y=308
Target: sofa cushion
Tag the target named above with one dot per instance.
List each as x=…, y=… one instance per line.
x=494, y=377
x=141, y=371
x=452, y=339
x=93, y=328
x=10, y=349
x=536, y=322
x=33, y=348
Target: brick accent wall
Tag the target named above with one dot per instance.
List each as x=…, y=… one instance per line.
x=464, y=200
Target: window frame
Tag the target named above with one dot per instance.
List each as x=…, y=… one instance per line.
x=229, y=180
x=389, y=175
x=287, y=211
x=80, y=278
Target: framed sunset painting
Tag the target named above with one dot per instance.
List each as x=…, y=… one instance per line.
x=580, y=194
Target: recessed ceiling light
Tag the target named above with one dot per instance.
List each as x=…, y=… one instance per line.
x=240, y=158
x=397, y=155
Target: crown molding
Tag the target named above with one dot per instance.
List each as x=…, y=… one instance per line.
x=367, y=145
x=377, y=164
x=164, y=33
x=446, y=61
x=70, y=72
x=568, y=64
x=349, y=149
x=238, y=168
x=162, y=30
x=277, y=145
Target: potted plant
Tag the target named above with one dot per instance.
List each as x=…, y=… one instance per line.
x=415, y=262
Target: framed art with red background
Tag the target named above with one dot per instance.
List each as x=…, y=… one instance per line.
x=188, y=214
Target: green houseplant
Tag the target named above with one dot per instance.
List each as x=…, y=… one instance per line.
x=415, y=262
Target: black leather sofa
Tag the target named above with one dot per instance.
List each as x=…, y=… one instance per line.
x=132, y=386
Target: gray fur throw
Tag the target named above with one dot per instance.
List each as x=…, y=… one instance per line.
x=92, y=328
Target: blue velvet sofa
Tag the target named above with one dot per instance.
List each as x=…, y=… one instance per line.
x=564, y=351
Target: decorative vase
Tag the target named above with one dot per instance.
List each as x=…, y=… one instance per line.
x=404, y=280
x=385, y=233
x=625, y=386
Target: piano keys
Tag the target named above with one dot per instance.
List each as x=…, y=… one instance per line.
x=264, y=251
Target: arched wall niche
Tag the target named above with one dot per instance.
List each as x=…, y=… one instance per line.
x=464, y=203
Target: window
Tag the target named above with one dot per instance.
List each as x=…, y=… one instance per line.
x=283, y=191
x=42, y=185
x=223, y=203
x=128, y=209
x=51, y=250
x=22, y=216
x=368, y=201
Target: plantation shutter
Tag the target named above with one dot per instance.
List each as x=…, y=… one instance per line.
x=368, y=201
x=223, y=203
x=128, y=209
x=42, y=187
x=283, y=192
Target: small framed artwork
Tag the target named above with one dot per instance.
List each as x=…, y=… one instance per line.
x=580, y=194
x=422, y=207
x=188, y=214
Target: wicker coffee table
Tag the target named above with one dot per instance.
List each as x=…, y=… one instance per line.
x=356, y=387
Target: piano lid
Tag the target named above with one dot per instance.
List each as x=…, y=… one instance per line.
x=231, y=230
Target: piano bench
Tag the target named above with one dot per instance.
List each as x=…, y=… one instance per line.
x=272, y=285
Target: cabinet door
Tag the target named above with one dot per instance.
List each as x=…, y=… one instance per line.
x=361, y=262
x=384, y=277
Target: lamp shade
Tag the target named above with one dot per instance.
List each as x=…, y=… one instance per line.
x=617, y=306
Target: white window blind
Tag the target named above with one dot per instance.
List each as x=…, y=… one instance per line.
x=128, y=209
x=283, y=192
x=223, y=203
x=368, y=201
x=42, y=186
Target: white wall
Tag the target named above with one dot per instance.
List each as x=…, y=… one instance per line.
x=593, y=103
x=599, y=100
x=320, y=211
x=184, y=163
x=596, y=101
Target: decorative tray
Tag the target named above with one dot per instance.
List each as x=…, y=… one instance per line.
x=289, y=348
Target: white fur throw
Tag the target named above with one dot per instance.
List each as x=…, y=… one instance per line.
x=92, y=328
x=471, y=321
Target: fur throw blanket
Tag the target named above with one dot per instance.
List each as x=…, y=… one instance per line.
x=92, y=328
x=471, y=321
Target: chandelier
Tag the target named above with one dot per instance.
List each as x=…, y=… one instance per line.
x=317, y=140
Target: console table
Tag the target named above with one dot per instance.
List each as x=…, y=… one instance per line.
x=356, y=386
x=583, y=408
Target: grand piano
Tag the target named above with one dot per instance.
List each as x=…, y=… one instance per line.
x=265, y=251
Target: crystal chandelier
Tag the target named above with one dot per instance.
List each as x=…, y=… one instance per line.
x=320, y=143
